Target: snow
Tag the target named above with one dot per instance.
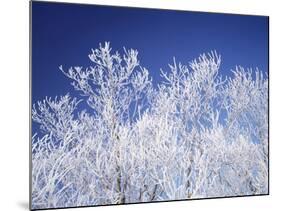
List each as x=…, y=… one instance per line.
x=196, y=135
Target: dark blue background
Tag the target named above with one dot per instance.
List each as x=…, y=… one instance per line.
x=63, y=34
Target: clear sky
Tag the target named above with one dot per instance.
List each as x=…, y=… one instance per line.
x=63, y=34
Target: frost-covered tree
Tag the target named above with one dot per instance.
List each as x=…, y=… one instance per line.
x=113, y=86
x=196, y=134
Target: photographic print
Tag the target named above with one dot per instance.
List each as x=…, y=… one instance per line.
x=133, y=105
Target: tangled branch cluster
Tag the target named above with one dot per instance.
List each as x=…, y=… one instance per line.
x=196, y=135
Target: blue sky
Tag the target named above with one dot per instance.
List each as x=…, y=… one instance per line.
x=63, y=34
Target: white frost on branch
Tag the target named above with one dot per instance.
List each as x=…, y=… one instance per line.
x=196, y=135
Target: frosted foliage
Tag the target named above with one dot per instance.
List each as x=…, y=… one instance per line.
x=194, y=135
